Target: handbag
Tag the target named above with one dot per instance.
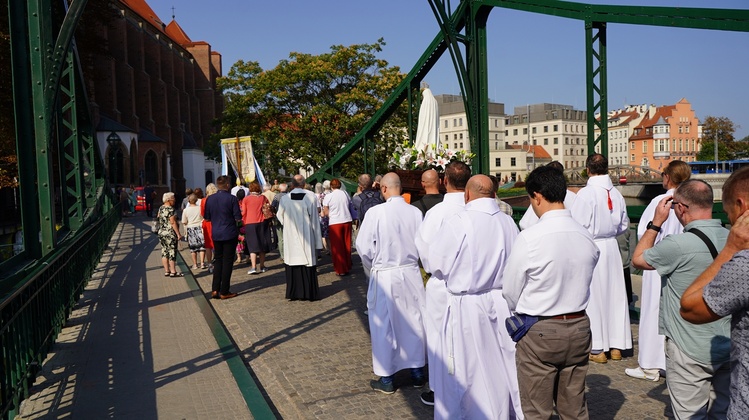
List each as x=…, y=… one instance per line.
x=267, y=211
x=155, y=225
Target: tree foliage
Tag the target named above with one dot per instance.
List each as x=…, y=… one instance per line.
x=721, y=129
x=309, y=106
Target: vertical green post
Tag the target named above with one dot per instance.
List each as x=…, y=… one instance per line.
x=478, y=113
x=41, y=49
x=595, y=67
x=24, y=122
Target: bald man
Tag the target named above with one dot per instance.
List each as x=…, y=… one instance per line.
x=480, y=377
x=430, y=181
x=395, y=297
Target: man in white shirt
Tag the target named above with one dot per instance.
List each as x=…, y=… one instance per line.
x=457, y=175
x=395, y=297
x=530, y=218
x=600, y=208
x=469, y=254
x=544, y=280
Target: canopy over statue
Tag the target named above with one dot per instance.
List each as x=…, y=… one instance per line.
x=427, y=131
x=237, y=153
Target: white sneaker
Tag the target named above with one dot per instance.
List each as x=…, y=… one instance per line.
x=252, y=271
x=647, y=374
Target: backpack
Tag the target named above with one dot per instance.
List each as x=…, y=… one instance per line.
x=369, y=199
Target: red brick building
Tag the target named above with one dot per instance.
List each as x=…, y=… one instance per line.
x=154, y=99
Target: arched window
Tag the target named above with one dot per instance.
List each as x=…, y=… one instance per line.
x=152, y=168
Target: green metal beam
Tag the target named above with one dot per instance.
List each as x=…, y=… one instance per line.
x=596, y=93
x=478, y=80
x=24, y=123
x=677, y=17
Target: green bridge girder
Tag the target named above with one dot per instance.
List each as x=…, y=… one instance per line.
x=465, y=26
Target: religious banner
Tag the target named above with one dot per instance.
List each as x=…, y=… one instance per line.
x=237, y=152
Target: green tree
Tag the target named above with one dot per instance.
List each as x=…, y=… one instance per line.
x=309, y=106
x=720, y=129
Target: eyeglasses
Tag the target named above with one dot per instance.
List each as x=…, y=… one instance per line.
x=674, y=203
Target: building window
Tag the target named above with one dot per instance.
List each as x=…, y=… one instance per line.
x=514, y=131
x=447, y=124
x=496, y=145
x=546, y=129
x=525, y=131
x=533, y=130
x=152, y=168
x=447, y=137
x=556, y=152
x=455, y=122
x=497, y=161
x=644, y=146
x=632, y=145
x=455, y=146
x=534, y=142
x=507, y=133
x=455, y=136
x=513, y=162
x=461, y=144
x=556, y=127
x=632, y=159
x=460, y=122
x=496, y=123
x=556, y=140
x=546, y=142
x=461, y=136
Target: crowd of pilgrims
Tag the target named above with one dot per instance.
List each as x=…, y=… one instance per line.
x=499, y=322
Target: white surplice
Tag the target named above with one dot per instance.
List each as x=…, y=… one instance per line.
x=436, y=293
x=600, y=208
x=652, y=353
x=301, y=228
x=529, y=218
x=395, y=297
x=477, y=354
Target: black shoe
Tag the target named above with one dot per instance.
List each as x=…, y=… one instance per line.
x=419, y=382
x=377, y=385
x=428, y=398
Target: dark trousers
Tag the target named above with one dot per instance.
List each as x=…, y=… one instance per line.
x=552, y=358
x=223, y=253
x=149, y=208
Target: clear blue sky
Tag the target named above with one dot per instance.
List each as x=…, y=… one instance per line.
x=532, y=58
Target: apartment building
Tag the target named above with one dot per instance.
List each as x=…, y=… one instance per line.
x=670, y=132
x=559, y=129
x=621, y=125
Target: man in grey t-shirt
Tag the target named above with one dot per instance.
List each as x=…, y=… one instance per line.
x=722, y=290
x=697, y=356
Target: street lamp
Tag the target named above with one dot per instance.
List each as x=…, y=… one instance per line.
x=531, y=149
x=113, y=140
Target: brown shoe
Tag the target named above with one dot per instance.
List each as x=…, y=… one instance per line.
x=214, y=295
x=231, y=295
x=598, y=358
x=616, y=354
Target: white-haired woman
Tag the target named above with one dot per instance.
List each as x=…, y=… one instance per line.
x=169, y=235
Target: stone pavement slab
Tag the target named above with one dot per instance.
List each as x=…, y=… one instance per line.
x=135, y=346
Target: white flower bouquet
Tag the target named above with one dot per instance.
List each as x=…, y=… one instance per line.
x=408, y=157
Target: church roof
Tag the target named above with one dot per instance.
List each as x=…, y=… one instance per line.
x=188, y=141
x=144, y=10
x=147, y=136
x=108, y=124
x=177, y=33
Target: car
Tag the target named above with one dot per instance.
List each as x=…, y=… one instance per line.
x=140, y=195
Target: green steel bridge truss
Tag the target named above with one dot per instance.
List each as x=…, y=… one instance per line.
x=463, y=34
x=68, y=215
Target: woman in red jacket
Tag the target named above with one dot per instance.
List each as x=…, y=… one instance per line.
x=256, y=235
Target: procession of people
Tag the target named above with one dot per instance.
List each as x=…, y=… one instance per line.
x=505, y=322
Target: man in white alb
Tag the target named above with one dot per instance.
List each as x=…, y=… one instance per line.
x=545, y=281
x=395, y=296
x=600, y=208
x=529, y=218
x=478, y=355
x=457, y=175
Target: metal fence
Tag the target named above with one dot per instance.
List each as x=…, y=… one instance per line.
x=32, y=316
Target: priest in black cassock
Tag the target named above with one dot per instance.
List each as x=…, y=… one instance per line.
x=297, y=212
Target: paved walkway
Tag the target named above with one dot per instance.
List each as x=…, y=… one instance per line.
x=139, y=344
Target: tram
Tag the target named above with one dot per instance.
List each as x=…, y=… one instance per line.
x=724, y=166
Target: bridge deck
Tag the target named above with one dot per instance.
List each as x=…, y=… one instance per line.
x=139, y=346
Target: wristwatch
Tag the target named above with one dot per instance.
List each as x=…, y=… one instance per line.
x=654, y=227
